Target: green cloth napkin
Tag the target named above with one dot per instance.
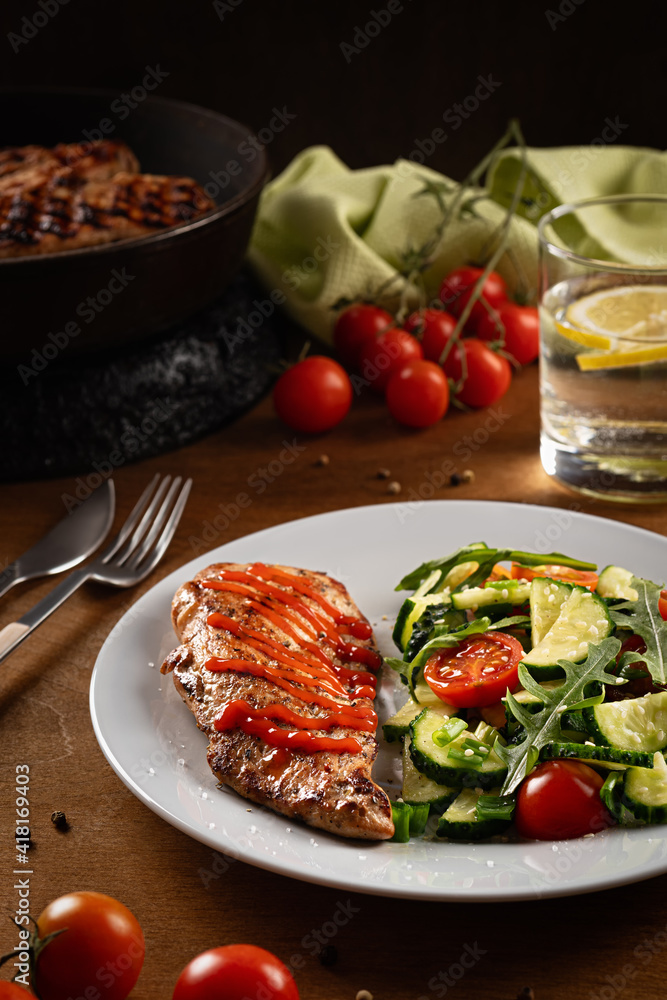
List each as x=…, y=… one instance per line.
x=324, y=231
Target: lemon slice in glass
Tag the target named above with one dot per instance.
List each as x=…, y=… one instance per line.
x=627, y=324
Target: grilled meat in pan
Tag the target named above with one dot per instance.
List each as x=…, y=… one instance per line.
x=47, y=216
x=251, y=642
x=72, y=196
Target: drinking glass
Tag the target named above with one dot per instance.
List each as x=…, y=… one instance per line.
x=603, y=346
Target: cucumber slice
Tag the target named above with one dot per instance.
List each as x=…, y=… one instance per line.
x=584, y=618
x=546, y=599
x=502, y=592
x=418, y=789
x=459, y=821
x=396, y=727
x=459, y=574
x=645, y=792
x=603, y=756
x=409, y=613
x=436, y=763
x=615, y=582
x=634, y=724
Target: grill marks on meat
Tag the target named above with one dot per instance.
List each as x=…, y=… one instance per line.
x=331, y=791
x=78, y=195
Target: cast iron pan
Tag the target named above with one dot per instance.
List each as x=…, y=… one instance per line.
x=164, y=277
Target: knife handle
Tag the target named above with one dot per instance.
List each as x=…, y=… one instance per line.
x=12, y=635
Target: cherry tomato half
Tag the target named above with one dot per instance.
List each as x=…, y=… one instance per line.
x=560, y=799
x=477, y=672
x=355, y=325
x=488, y=374
x=521, y=334
x=314, y=395
x=380, y=358
x=101, y=946
x=434, y=327
x=418, y=394
x=583, y=578
x=235, y=972
x=458, y=286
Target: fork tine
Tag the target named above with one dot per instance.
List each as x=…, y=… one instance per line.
x=129, y=524
x=136, y=555
x=144, y=524
x=153, y=557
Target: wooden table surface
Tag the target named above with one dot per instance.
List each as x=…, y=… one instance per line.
x=591, y=946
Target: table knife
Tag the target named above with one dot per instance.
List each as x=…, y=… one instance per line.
x=69, y=542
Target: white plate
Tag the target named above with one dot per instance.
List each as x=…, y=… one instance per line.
x=150, y=739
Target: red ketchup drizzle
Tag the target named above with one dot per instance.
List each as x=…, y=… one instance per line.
x=308, y=667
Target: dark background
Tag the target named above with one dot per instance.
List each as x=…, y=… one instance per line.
x=562, y=69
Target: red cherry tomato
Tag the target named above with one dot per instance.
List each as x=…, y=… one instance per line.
x=560, y=800
x=101, y=946
x=380, y=358
x=355, y=325
x=583, y=578
x=477, y=672
x=489, y=375
x=521, y=334
x=434, y=327
x=662, y=605
x=314, y=395
x=418, y=394
x=458, y=286
x=235, y=972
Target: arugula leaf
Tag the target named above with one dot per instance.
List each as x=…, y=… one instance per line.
x=544, y=727
x=417, y=576
x=643, y=618
x=480, y=553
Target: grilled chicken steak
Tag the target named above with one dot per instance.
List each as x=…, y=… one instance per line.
x=77, y=196
x=277, y=666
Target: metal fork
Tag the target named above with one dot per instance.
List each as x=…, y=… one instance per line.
x=129, y=558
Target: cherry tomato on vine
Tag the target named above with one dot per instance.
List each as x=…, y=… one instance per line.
x=102, y=946
x=521, y=336
x=418, y=394
x=355, y=325
x=488, y=377
x=566, y=574
x=387, y=354
x=477, y=672
x=560, y=799
x=457, y=288
x=314, y=395
x=434, y=327
x=662, y=605
x=235, y=972
x=11, y=991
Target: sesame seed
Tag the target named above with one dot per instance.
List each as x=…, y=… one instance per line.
x=394, y=487
x=551, y=598
x=468, y=752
